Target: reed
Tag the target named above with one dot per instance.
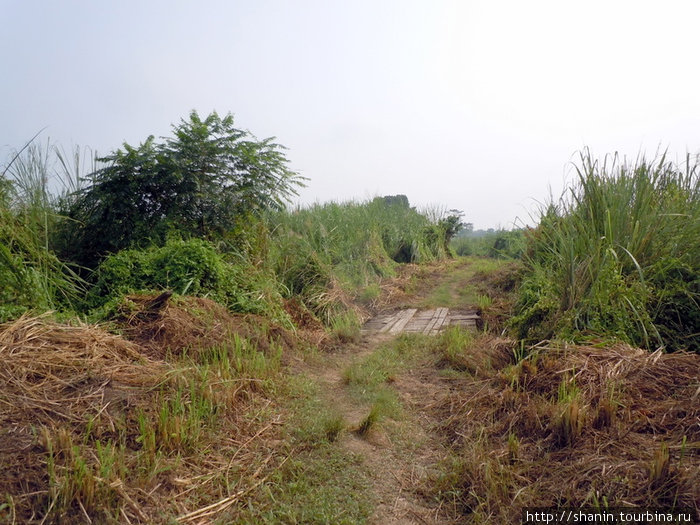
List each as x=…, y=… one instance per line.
x=617, y=255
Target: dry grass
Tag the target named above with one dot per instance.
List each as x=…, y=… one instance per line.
x=57, y=380
x=95, y=429
x=574, y=426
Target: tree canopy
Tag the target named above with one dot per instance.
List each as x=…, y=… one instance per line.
x=201, y=181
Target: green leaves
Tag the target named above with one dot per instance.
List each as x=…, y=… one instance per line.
x=199, y=182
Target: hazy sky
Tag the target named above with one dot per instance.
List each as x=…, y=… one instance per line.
x=475, y=105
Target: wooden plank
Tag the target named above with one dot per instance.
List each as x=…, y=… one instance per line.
x=432, y=322
x=442, y=316
x=419, y=321
x=436, y=321
x=402, y=321
x=467, y=323
x=390, y=322
x=429, y=321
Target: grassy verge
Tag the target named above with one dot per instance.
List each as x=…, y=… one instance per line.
x=201, y=423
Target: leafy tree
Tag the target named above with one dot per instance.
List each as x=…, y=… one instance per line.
x=201, y=181
x=452, y=224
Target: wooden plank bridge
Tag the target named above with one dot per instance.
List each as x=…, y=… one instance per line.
x=412, y=320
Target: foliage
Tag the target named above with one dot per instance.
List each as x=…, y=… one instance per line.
x=617, y=256
x=199, y=182
x=348, y=245
x=451, y=224
x=499, y=244
x=192, y=267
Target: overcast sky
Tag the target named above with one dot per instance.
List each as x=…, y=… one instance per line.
x=474, y=105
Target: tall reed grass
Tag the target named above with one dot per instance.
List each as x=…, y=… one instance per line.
x=31, y=276
x=618, y=255
x=351, y=244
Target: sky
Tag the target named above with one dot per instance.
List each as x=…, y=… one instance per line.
x=479, y=106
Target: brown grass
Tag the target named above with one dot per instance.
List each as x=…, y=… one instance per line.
x=190, y=325
x=55, y=380
x=626, y=433
x=70, y=392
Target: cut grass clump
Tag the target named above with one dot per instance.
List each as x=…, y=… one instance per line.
x=345, y=328
x=385, y=405
x=94, y=427
x=617, y=257
x=192, y=326
x=472, y=353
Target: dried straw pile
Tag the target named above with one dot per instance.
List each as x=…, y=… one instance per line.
x=575, y=426
x=51, y=373
x=59, y=376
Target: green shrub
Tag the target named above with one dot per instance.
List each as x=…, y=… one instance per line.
x=201, y=182
x=192, y=267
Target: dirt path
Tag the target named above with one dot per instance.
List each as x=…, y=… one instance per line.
x=401, y=454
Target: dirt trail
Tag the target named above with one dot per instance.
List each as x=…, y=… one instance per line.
x=400, y=454
x=398, y=466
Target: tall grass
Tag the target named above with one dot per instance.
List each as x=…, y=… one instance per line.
x=348, y=245
x=31, y=276
x=618, y=255
x=498, y=244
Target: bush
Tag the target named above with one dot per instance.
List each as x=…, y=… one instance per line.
x=201, y=182
x=192, y=267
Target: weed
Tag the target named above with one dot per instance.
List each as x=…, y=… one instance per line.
x=658, y=471
x=345, y=328
x=568, y=422
x=483, y=301
x=513, y=446
x=370, y=420
x=454, y=343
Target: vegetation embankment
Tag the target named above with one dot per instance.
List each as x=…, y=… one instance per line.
x=181, y=408
x=570, y=413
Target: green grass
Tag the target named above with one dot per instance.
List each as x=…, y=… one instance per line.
x=369, y=379
x=457, y=288
x=381, y=366
x=322, y=250
x=320, y=482
x=617, y=256
x=501, y=244
x=324, y=485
